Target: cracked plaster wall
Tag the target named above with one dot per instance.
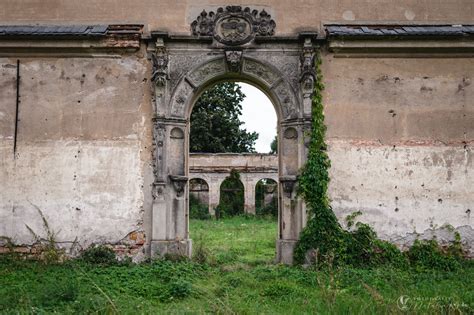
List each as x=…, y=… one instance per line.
x=401, y=135
x=82, y=148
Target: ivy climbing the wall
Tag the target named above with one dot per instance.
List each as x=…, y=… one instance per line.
x=325, y=242
x=323, y=231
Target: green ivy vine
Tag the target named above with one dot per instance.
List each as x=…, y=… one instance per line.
x=324, y=237
x=323, y=231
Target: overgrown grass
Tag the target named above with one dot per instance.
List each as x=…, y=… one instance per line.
x=236, y=240
x=239, y=278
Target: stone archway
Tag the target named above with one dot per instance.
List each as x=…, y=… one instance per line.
x=183, y=67
x=199, y=189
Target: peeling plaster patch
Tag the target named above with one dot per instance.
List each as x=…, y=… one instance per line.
x=106, y=190
x=444, y=235
x=348, y=15
x=410, y=15
x=391, y=199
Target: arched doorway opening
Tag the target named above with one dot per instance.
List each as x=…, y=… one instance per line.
x=198, y=199
x=266, y=198
x=225, y=126
x=232, y=199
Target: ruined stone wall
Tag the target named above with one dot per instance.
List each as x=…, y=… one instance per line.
x=224, y=162
x=290, y=16
x=214, y=168
x=400, y=135
x=81, y=149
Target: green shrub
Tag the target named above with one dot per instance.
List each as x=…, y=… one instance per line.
x=427, y=254
x=99, y=255
x=56, y=291
x=278, y=290
x=269, y=210
x=179, y=289
x=201, y=254
x=231, y=201
x=175, y=257
x=198, y=210
x=386, y=253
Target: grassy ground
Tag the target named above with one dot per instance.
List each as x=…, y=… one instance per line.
x=239, y=278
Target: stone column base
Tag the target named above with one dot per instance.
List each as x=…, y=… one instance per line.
x=284, y=251
x=181, y=248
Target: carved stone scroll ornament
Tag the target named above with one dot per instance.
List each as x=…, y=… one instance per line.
x=179, y=183
x=234, y=60
x=207, y=71
x=160, y=64
x=233, y=25
x=260, y=71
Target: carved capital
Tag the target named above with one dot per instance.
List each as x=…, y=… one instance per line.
x=234, y=60
x=160, y=64
x=288, y=184
x=179, y=183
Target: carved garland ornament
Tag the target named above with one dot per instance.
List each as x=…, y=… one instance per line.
x=233, y=25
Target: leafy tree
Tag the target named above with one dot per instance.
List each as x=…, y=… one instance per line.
x=215, y=123
x=274, y=146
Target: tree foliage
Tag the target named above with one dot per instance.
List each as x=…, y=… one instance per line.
x=274, y=146
x=215, y=123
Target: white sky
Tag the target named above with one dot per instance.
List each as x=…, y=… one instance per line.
x=258, y=114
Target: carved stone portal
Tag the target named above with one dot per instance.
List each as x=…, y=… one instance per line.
x=184, y=67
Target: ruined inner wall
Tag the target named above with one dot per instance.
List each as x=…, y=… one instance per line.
x=81, y=148
x=400, y=135
x=214, y=168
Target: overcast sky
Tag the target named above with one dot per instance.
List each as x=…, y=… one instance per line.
x=258, y=114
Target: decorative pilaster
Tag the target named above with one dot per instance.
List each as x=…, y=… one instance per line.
x=160, y=63
x=308, y=75
x=160, y=75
